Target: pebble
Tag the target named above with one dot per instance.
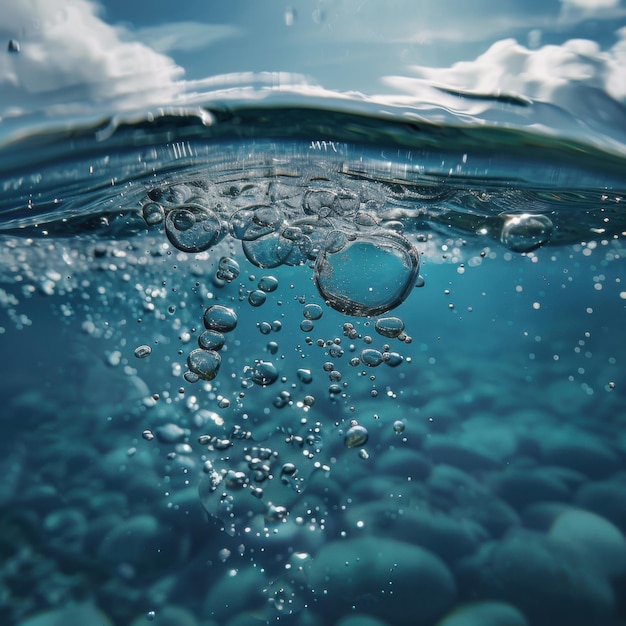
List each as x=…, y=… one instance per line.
x=445, y=536
x=386, y=576
x=602, y=543
x=84, y=614
x=580, y=451
x=485, y=614
x=545, y=578
x=235, y=592
x=606, y=498
x=447, y=449
x=523, y=486
x=141, y=543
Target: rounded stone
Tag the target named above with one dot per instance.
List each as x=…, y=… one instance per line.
x=485, y=614
x=545, y=578
x=383, y=577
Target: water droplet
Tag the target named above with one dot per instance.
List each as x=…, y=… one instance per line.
x=141, y=352
x=264, y=373
x=268, y=283
x=524, y=232
x=153, y=213
x=204, y=363
x=312, y=311
x=356, y=436
x=211, y=340
x=257, y=297
x=227, y=269
x=398, y=426
x=192, y=228
x=371, y=357
x=389, y=326
x=368, y=275
x=220, y=318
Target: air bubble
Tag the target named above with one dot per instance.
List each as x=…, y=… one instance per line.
x=389, y=326
x=220, y=318
x=141, y=352
x=192, y=228
x=356, y=436
x=264, y=373
x=204, y=363
x=387, y=268
x=312, y=311
x=153, y=213
x=305, y=376
x=227, y=269
x=371, y=357
x=525, y=232
x=306, y=326
x=398, y=427
x=211, y=340
x=268, y=283
x=257, y=297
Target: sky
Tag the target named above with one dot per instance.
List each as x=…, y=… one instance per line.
x=83, y=57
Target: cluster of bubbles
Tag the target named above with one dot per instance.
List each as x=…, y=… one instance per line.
x=332, y=228
x=204, y=362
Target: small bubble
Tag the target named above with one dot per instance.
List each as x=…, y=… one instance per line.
x=308, y=400
x=398, y=426
x=306, y=326
x=220, y=318
x=264, y=373
x=153, y=213
x=525, y=232
x=364, y=454
x=148, y=435
x=305, y=376
x=141, y=352
x=204, y=363
x=371, y=357
x=390, y=327
x=356, y=436
x=257, y=297
x=192, y=228
x=227, y=269
x=268, y=283
x=265, y=328
x=272, y=347
x=150, y=615
x=312, y=311
x=211, y=340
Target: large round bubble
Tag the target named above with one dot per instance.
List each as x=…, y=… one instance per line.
x=365, y=275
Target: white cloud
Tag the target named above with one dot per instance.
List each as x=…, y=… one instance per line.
x=71, y=59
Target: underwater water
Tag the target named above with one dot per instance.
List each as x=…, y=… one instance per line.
x=274, y=353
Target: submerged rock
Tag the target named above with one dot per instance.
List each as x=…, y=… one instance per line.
x=548, y=580
x=383, y=577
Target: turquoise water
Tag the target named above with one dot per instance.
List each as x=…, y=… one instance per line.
x=283, y=353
